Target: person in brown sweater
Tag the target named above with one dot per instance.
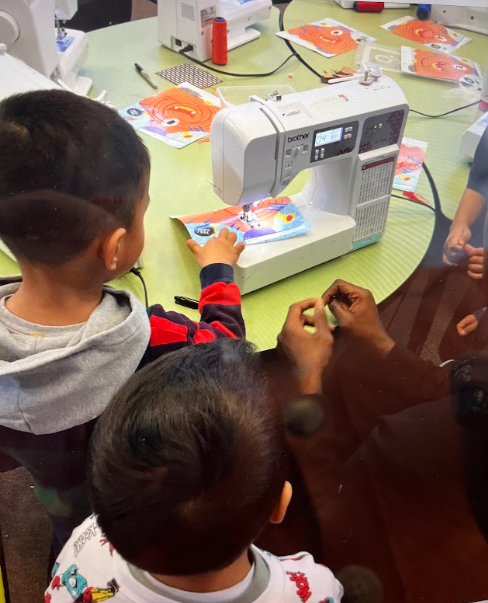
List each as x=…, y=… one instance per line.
x=389, y=464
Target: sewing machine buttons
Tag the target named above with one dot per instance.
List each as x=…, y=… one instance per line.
x=322, y=153
x=377, y=135
x=316, y=156
x=348, y=130
x=288, y=153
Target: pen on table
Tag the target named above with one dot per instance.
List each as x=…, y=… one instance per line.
x=187, y=302
x=145, y=75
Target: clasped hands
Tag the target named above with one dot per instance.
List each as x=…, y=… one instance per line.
x=309, y=351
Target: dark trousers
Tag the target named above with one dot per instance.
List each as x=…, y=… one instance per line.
x=57, y=463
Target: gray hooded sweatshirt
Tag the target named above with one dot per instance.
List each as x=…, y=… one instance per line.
x=54, y=378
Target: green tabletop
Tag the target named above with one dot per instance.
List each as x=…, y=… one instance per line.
x=448, y=165
x=181, y=179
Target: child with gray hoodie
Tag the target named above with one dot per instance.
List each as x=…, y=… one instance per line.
x=74, y=180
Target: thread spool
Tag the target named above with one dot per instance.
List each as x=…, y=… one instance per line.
x=369, y=7
x=220, y=54
x=423, y=11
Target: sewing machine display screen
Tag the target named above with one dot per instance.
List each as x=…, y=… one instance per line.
x=334, y=141
x=328, y=137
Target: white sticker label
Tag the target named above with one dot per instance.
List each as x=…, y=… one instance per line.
x=207, y=15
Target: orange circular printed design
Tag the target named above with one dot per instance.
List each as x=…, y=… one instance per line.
x=441, y=66
x=188, y=113
x=329, y=39
x=425, y=32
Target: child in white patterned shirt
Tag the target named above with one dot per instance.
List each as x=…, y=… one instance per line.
x=187, y=470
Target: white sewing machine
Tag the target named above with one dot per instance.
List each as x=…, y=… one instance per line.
x=184, y=23
x=27, y=28
x=349, y=134
x=471, y=18
x=16, y=77
x=471, y=138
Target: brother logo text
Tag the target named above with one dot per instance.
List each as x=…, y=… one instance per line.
x=297, y=137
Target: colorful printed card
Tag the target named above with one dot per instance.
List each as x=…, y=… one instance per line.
x=438, y=66
x=261, y=222
x=409, y=165
x=178, y=116
x=328, y=37
x=432, y=34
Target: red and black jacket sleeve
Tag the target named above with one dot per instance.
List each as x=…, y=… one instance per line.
x=220, y=313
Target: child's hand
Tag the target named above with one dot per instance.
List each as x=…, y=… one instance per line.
x=454, y=245
x=467, y=325
x=217, y=250
x=475, y=261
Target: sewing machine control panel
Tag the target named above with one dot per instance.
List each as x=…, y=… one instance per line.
x=334, y=141
x=293, y=158
x=381, y=131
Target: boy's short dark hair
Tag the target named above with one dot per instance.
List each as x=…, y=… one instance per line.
x=53, y=141
x=187, y=464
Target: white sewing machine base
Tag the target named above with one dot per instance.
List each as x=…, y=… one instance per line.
x=81, y=85
x=248, y=35
x=72, y=59
x=330, y=237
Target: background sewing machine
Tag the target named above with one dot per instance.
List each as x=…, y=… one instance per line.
x=471, y=18
x=348, y=133
x=471, y=138
x=27, y=28
x=185, y=23
x=15, y=77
